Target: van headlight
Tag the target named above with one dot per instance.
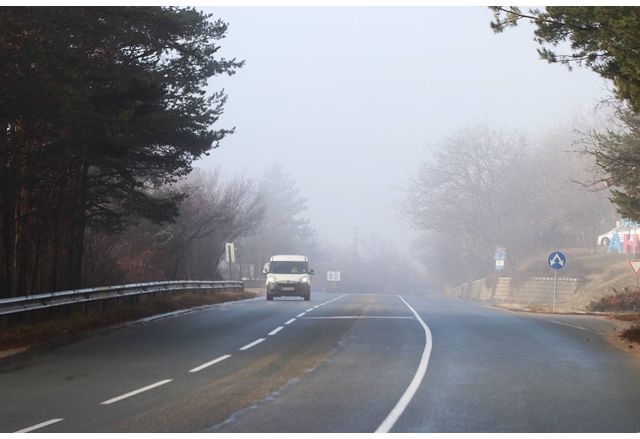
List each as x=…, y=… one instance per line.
x=271, y=279
x=305, y=280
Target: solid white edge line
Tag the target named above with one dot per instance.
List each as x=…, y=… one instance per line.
x=40, y=425
x=275, y=331
x=405, y=399
x=210, y=363
x=135, y=392
x=567, y=324
x=300, y=315
x=288, y=322
x=252, y=344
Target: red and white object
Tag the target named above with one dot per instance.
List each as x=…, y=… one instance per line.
x=635, y=265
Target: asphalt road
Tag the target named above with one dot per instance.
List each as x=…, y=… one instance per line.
x=352, y=363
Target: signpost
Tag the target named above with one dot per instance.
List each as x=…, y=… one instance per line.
x=500, y=256
x=229, y=255
x=557, y=261
x=333, y=277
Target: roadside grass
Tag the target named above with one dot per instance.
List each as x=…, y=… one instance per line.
x=626, y=301
x=18, y=338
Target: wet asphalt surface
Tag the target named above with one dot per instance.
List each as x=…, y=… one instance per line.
x=338, y=363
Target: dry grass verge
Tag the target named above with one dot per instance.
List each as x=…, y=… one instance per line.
x=625, y=301
x=16, y=338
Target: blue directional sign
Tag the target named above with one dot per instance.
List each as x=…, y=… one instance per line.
x=556, y=260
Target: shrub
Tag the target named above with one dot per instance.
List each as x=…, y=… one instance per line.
x=626, y=300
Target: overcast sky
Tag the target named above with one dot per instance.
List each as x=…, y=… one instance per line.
x=347, y=99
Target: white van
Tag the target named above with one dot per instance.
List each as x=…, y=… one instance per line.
x=288, y=275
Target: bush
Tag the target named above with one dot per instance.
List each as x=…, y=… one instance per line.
x=626, y=300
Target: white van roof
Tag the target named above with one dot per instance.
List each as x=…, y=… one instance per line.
x=289, y=258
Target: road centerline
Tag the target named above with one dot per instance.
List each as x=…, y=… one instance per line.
x=290, y=321
x=300, y=315
x=275, y=331
x=210, y=363
x=135, y=392
x=406, y=397
x=40, y=425
x=252, y=344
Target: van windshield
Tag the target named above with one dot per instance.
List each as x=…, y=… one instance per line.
x=288, y=267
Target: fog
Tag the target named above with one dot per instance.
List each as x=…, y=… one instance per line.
x=348, y=99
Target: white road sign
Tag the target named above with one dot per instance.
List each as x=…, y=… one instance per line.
x=333, y=276
x=230, y=252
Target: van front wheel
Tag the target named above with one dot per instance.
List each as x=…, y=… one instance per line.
x=307, y=297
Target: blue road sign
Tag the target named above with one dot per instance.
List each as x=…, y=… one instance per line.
x=556, y=260
x=501, y=252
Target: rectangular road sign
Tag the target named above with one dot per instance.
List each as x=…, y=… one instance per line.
x=230, y=252
x=333, y=276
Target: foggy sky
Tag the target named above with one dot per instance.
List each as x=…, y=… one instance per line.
x=347, y=99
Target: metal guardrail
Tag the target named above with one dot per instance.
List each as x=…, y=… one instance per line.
x=15, y=305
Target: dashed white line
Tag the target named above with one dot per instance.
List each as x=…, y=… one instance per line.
x=40, y=425
x=275, y=331
x=210, y=363
x=135, y=392
x=309, y=310
x=290, y=321
x=401, y=405
x=252, y=344
x=315, y=307
x=300, y=315
x=567, y=324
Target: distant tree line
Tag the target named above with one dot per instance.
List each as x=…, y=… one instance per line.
x=605, y=39
x=483, y=188
x=103, y=110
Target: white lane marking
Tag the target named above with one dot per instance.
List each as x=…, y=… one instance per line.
x=40, y=425
x=405, y=399
x=309, y=310
x=252, y=344
x=135, y=392
x=290, y=321
x=300, y=315
x=275, y=331
x=361, y=317
x=566, y=324
x=315, y=307
x=549, y=320
x=210, y=363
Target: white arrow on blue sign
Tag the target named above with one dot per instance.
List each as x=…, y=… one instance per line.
x=556, y=260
